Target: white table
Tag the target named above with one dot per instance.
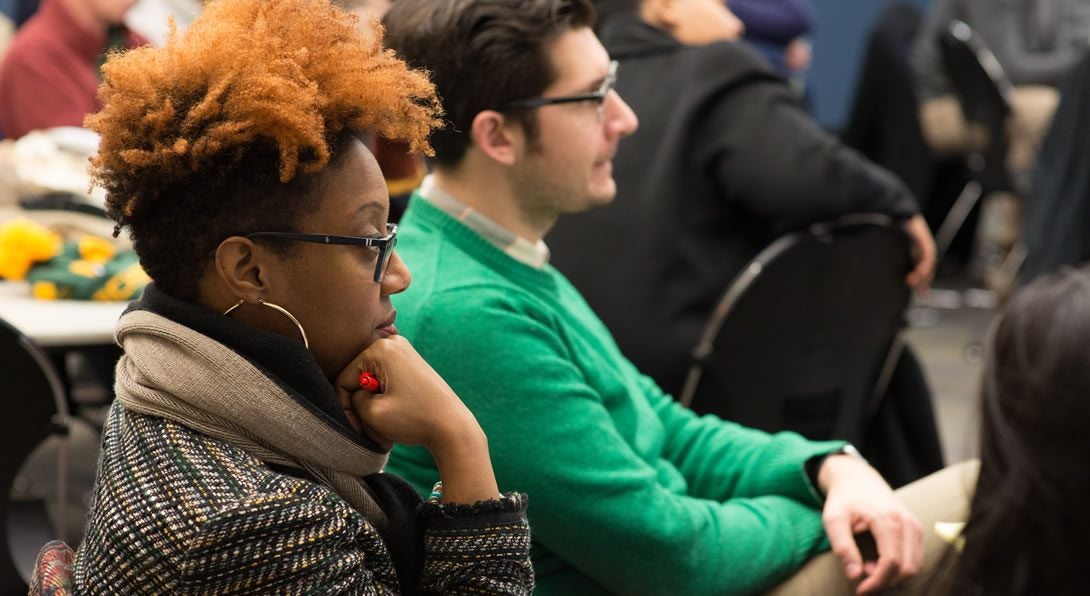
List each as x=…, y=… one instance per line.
x=59, y=323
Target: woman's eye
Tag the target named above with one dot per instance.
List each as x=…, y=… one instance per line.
x=370, y=253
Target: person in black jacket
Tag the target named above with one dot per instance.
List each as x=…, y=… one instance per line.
x=724, y=161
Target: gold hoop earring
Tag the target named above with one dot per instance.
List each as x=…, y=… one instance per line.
x=279, y=309
x=232, y=309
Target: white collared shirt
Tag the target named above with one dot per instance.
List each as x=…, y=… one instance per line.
x=534, y=254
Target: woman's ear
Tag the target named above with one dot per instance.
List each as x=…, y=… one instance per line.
x=240, y=269
x=496, y=136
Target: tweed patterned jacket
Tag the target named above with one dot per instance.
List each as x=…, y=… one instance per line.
x=177, y=512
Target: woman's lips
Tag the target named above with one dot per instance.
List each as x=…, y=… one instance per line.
x=387, y=327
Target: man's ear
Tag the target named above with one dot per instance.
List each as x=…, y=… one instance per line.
x=240, y=270
x=660, y=13
x=496, y=136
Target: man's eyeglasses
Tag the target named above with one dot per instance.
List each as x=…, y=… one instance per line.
x=385, y=244
x=598, y=96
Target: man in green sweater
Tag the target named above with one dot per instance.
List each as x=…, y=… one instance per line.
x=630, y=492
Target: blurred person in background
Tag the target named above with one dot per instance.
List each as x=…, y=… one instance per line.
x=1035, y=41
x=50, y=74
x=726, y=153
x=1027, y=526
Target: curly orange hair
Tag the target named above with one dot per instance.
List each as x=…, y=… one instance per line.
x=251, y=85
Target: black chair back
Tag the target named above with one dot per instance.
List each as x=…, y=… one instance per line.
x=36, y=409
x=805, y=338
x=984, y=94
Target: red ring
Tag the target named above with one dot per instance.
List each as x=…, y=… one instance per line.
x=369, y=382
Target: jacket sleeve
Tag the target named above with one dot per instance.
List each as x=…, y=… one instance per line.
x=597, y=503
x=477, y=549
x=301, y=544
x=762, y=463
x=768, y=155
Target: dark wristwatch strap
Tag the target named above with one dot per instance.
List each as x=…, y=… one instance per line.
x=813, y=465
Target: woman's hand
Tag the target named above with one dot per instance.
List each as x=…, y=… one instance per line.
x=415, y=406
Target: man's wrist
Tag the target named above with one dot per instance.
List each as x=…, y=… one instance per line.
x=815, y=464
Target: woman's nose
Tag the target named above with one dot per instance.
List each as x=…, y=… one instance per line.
x=397, y=277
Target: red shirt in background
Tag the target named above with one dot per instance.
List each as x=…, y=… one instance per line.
x=49, y=76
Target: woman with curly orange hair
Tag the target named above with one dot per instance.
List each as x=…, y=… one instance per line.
x=263, y=379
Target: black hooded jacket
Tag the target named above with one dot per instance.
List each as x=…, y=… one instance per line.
x=725, y=159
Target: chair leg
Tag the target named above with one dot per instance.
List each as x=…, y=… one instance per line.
x=1006, y=277
x=882, y=383
x=964, y=204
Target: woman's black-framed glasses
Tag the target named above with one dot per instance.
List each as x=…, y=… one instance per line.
x=384, y=244
x=598, y=96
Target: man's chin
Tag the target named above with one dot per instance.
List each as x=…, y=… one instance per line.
x=604, y=194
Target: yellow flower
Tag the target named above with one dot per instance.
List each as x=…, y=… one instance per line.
x=22, y=244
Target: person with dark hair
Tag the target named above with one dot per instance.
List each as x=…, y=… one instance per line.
x=263, y=379
x=729, y=160
x=50, y=73
x=633, y=493
x=1027, y=526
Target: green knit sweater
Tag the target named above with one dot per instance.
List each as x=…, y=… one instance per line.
x=629, y=491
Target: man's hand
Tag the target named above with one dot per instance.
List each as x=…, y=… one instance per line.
x=859, y=500
x=798, y=55
x=923, y=252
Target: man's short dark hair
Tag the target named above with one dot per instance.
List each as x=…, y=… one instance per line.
x=481, y=54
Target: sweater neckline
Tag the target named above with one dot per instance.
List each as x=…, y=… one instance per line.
x=480, y=248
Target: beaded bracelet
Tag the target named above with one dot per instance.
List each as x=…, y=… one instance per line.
x=436, y=493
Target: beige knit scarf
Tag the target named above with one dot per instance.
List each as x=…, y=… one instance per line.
x=171, y=371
